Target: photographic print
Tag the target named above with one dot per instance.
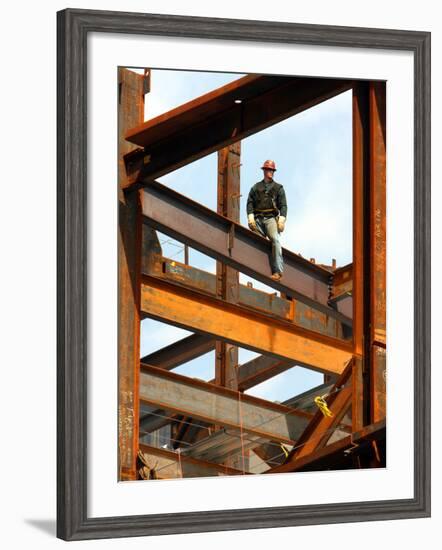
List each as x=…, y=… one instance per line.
x=224, y=251
x=252, y=264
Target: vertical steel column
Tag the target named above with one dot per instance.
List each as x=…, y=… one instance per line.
x=227, y=286
x=361, y=174
x=377, y=103
x=369, y=252
x=130, y=113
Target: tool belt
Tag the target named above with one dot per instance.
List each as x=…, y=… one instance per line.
x=266, y=212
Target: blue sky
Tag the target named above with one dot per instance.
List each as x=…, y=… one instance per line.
x=312, y=151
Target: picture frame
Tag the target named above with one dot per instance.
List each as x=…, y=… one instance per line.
x=73, y=27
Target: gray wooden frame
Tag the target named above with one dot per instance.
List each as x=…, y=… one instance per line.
x=73, y=26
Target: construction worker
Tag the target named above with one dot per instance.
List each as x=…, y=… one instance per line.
x=267, y=212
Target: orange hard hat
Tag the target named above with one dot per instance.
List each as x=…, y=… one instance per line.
x=269, y=165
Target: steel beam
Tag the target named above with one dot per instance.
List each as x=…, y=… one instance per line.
x=220, y=406
x=215, y=120
x=342, y=290
x=130, y=112
x=361, y=209
x=378, y=250
x=249, y=374
x=204, y=281
x=369, y=256
x=227, y=278
x=342, y=281
x=260, y=369
x=299, y=313
x=341, y=454
x=165, y=464
x=326, y=424
x=273, y=453
x=222, y=444
x=318, y=321
x=181, y=307
x=378, y=404
x=233, y=244
x=180, y=352
x=319, y=429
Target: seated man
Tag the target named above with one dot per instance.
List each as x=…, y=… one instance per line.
x=267, y=212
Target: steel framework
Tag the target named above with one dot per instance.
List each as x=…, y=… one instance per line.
x=325, y=318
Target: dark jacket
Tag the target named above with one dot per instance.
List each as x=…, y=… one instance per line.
x=272, y=201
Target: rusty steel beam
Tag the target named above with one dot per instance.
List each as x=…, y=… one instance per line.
x=202, y=229
x=269, y=303
x=204, y=281
x=378, y=250
x=130, y=112
x=319, y=429
x=169, y=358
x=342, y=291
x=250, y=374
x=341, y=454
x=180, y=352
x=211, y=122
x=222, y=444
x=272, y=453
x=318, y=321
x=369, y=256
x=165, y=464
x=221, y=406
x=232, y=323
x=342, y=281
x=378, y=404
x=260, y=369
x=199, y=109
x=378, y=199
x=361, y=210
x=151, y=251
x=227, y=278
x=327, y=424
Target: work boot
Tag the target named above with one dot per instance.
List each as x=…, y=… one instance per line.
x=276, y=276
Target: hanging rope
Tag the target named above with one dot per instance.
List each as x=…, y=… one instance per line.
x=322, y=405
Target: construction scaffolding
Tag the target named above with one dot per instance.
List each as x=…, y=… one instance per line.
x=326, y=318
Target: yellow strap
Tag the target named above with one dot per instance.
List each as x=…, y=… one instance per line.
x=284, y=449
x=323, y=407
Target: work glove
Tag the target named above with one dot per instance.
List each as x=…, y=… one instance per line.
x=281, y=223
x=252, y=223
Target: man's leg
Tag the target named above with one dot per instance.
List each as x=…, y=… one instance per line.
x=260, y=227
x=273, y=234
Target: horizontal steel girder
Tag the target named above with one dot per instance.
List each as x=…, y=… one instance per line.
x=260, y=369
x=180, y=352
x=269, y=303
x=205, y=281
x=250, y=374
x=168, y=464
x=220, y=406
x=214, y=235
x=333, y=455
x=222, y=445
x=214, y=120
x=229, y=322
